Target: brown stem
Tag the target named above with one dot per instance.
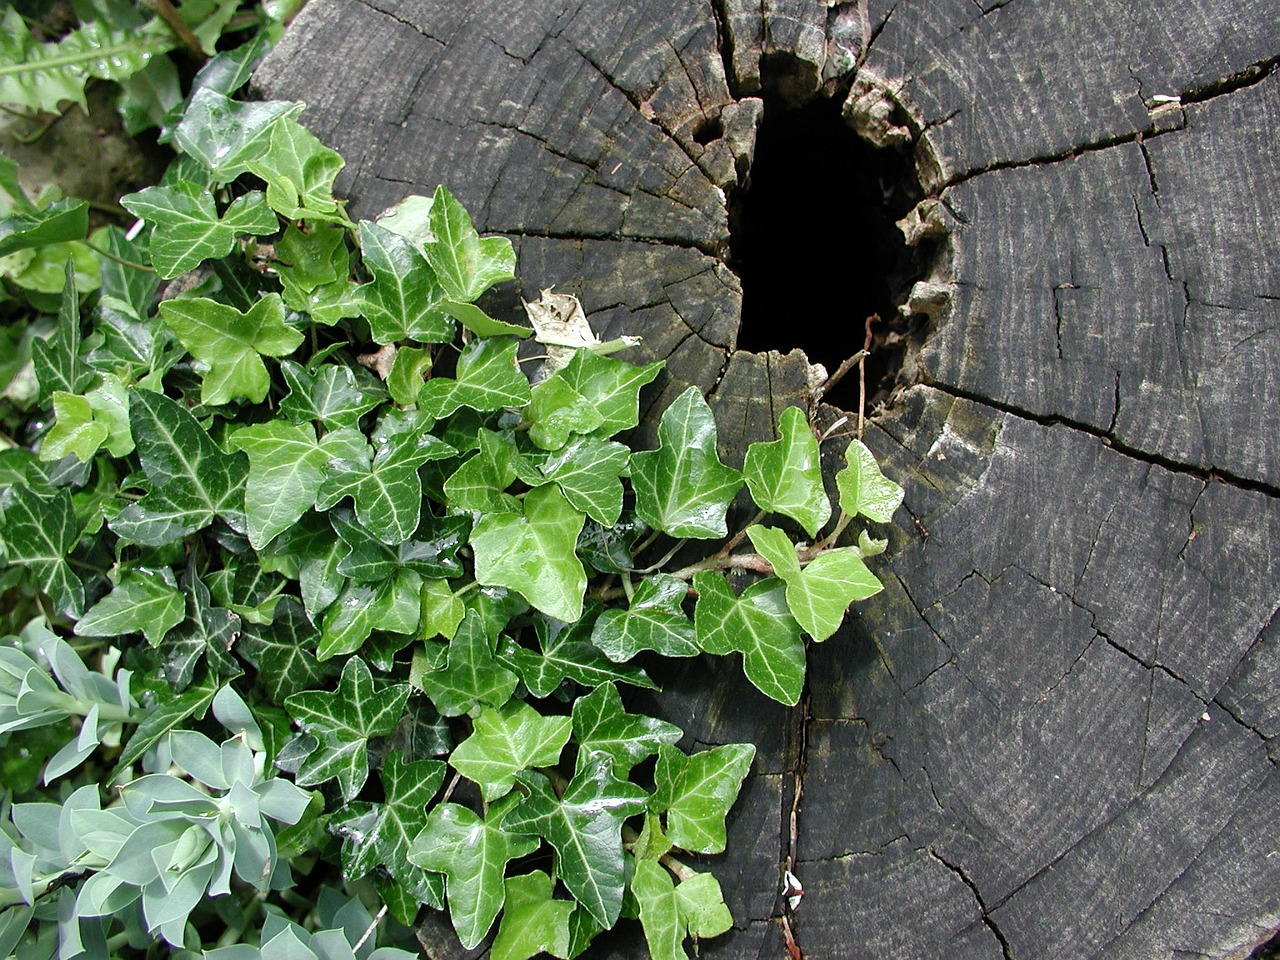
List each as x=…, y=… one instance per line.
x=862, y=375
x=170, y=15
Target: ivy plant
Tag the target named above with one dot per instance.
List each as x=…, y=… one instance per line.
x=315, y=561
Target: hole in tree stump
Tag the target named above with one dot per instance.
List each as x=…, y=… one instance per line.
x=708, y=131
x=813, y=237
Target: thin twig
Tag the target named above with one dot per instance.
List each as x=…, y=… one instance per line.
x=841, y=371
x=179, y=26
x=120, y=260
x=372, y=927
x=862, y=375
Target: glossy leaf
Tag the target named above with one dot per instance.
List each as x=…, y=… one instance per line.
x=785, y=475
x=471, y=676
x=186, y=228
x=142, y=602
x=585, y=828
x=283, y=651
x=335, y=396
x=655, y=620
x=505, y=741
x=299, y=171
x=601, y=725
x=670, y=913
x=231, y=344
x=588, y=472
x=533, y=553
x=402, y=302
x=533, y=921
x=695, y=792
x=818, y=595
x=480, y=482
x=487, y=378
x=342, y=722
x=473, y=855
x=206, y=632
x=387, y=832
x=566, y=653
x=39, y=532
x=863, y=488
x=466, y=264
x=59, y=222
x=225, y=135
x=393, y=605
x=611, y=387
x=56, y=361
x=757, y=624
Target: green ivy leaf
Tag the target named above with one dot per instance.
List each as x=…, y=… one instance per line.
x=670, y=913
x=682, y=488
x=314, y=269
x=654, y=621
x=863, y=488
x=393, y=605
x=192, y=481
x=533, y=553
x=409, y=369
x=818, y=595
x=226, y=135
x=602, y=726
x=402, y=302
x=466, y=265
x=471, y=676
x=757, y=624
x=533, y=921
x=480, y=323
x=207, y=631
x=336, y=396
x=186, y=228
x=309, y=553
x=473, y=855
x=488, y=377
x=557, y=412
x=282, y=651
x=785, y=476
x=480, y=482
x=57, y=361
x=166, y=714
x=286, y=471
x=588, y=473
x=299, y=171
x=566, y=653
x=232, y=344
x=696, y=792
x=442, y=610
x=60, y=222
x=505, y=741
x=387, y=833
x=585, y=828
x=611, y=387
x=74, y=431
x=39, y=532
x=142, y=602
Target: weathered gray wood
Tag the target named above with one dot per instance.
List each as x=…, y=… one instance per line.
x=1054, y=734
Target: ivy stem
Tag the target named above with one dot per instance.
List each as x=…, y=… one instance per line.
x=737, y=537
x=682, y=870
x=102, y=252
x=179, y=26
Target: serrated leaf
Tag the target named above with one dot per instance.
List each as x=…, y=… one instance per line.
x=588, y=472
x=225, y=135
x=57, y=361
x=585, y=828
x=140, y=603
x=388, y=829
x=166, y=714
x=506, y=740
x=392, y=605
x=299, y=171
x=818, y=595
x=533, y=921
x=601, y=725
x=466, y=264
x=759, y=625
x=38, y=533
x=335, y=396
x=655, y=620
x=696, y=792
x=342, y=722
x=283, y=651
x=863, y=488
x=59, y=222
x=488, y=378
x=192, y=481
x=186, y=228
x=473, y=855
x=785, y=475
x=471, y=676
x=402, y=302
x=566, y=653
x=682, y=488
x=480, y=482
x=231, y=344
x=286, y=471
x=670, y=913
x=533, y=553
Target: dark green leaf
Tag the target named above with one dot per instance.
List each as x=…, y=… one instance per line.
x=283, y=651
x=166, y=714
x=141, y=602
x=505, y=741
x=60, y=222
x=472, y=675
x=601, y=725
x=207, y=631
x=403, y=300
x=39, y=532
x=533, y=921
x=588, y=473
x=480, y=482
x=393, y=605
x=387, y=830
x=57, y=361
x=336, y=395
x=227, y=136
x=566, y=653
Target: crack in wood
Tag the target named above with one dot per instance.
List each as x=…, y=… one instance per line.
x=983, y=913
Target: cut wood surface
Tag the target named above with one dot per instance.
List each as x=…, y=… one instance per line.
x=1054, y=733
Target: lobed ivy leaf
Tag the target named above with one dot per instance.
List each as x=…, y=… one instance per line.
x=343, y=722
x=785, y=475
x=388, y=829
x=471, y=676
x=207, y=631
x=466, y=264
x=682, y=488
x=696, y=792
x=584, y=825
x=505, y=741
x=282, y=651
x=473, y=855
x=186, y=228
x=402, y=302
x=409, y=368
x=566, y=653
x=74, y=432
x=533, y=553
x=309, y=553
x=39, y=532
x=557, y=412
x=480, y=323
x=611, y=387
x=335, y=396
x=479, y=484
x=670, y=913
x=192, y=481
x=863, y=488
x=56, y=361
x=655, y=620
x=392, y=605
x=314, y=269
x=818, y=595
x=142, y=602
x=488, y=378
x=231, y=344
x=60, y=222
x=533, y=921
x=588, y=472
x=226, y=135
x=601, y=725
x=759, y=625
x=299, y=171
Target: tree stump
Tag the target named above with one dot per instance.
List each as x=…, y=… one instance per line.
x=1053, y=735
